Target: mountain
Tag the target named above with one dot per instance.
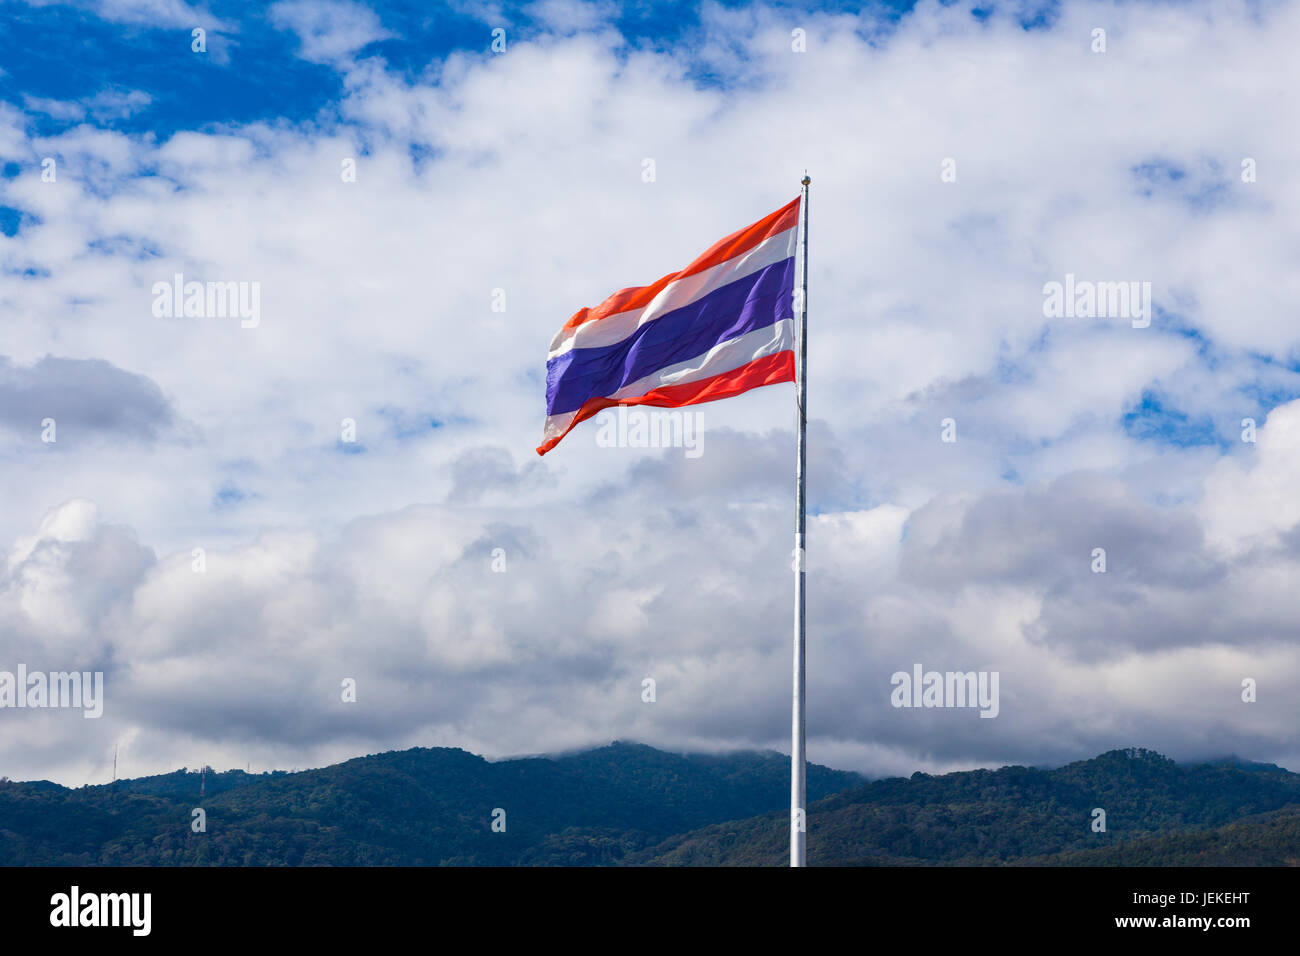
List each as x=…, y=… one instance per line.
x=1015, y=815
x=629, y=804
x=413, y=807
x=1268, y=839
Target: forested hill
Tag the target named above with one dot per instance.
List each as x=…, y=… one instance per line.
x=413, y=807
x=1022, y=815
x=632, y=804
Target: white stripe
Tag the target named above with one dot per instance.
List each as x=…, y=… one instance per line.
x=723, y=357
x=682, y=292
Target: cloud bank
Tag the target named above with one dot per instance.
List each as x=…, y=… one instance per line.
x=483, y=598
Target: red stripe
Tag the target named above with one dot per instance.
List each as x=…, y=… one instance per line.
x=768, y=370
x=638, y=297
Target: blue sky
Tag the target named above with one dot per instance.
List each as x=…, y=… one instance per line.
x=519, y=176
x=66, y=52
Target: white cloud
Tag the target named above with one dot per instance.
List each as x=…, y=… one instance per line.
x=105, y=106
x=1250, y=497
x=153, y=13
x=372, y=560
x=330, y=31
x=568, y=16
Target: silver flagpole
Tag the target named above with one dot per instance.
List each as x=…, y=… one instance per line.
x=798, y=789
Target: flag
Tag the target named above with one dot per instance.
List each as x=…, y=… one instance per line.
x=719, y=327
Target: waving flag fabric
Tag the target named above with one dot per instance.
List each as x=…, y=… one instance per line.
x=719, y=327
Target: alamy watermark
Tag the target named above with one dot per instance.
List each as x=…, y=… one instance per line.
x=1085, y=299
x=208, y=300
x=923, y=688
x=130, y=910
x=38, y=689
x=638, y=428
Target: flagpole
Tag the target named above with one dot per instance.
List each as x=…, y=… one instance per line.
x=798, y=788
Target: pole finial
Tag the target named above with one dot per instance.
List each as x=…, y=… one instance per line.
x=806, y=181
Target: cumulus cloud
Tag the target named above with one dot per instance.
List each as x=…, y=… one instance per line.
x=504, y=630
x=330, y=32
x=1250, y=500
x=84, y=397
x=521, y=173
x=478, y=471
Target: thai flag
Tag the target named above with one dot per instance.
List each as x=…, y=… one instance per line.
x=721, y=326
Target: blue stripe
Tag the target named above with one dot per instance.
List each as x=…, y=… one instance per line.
x=753, y=302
